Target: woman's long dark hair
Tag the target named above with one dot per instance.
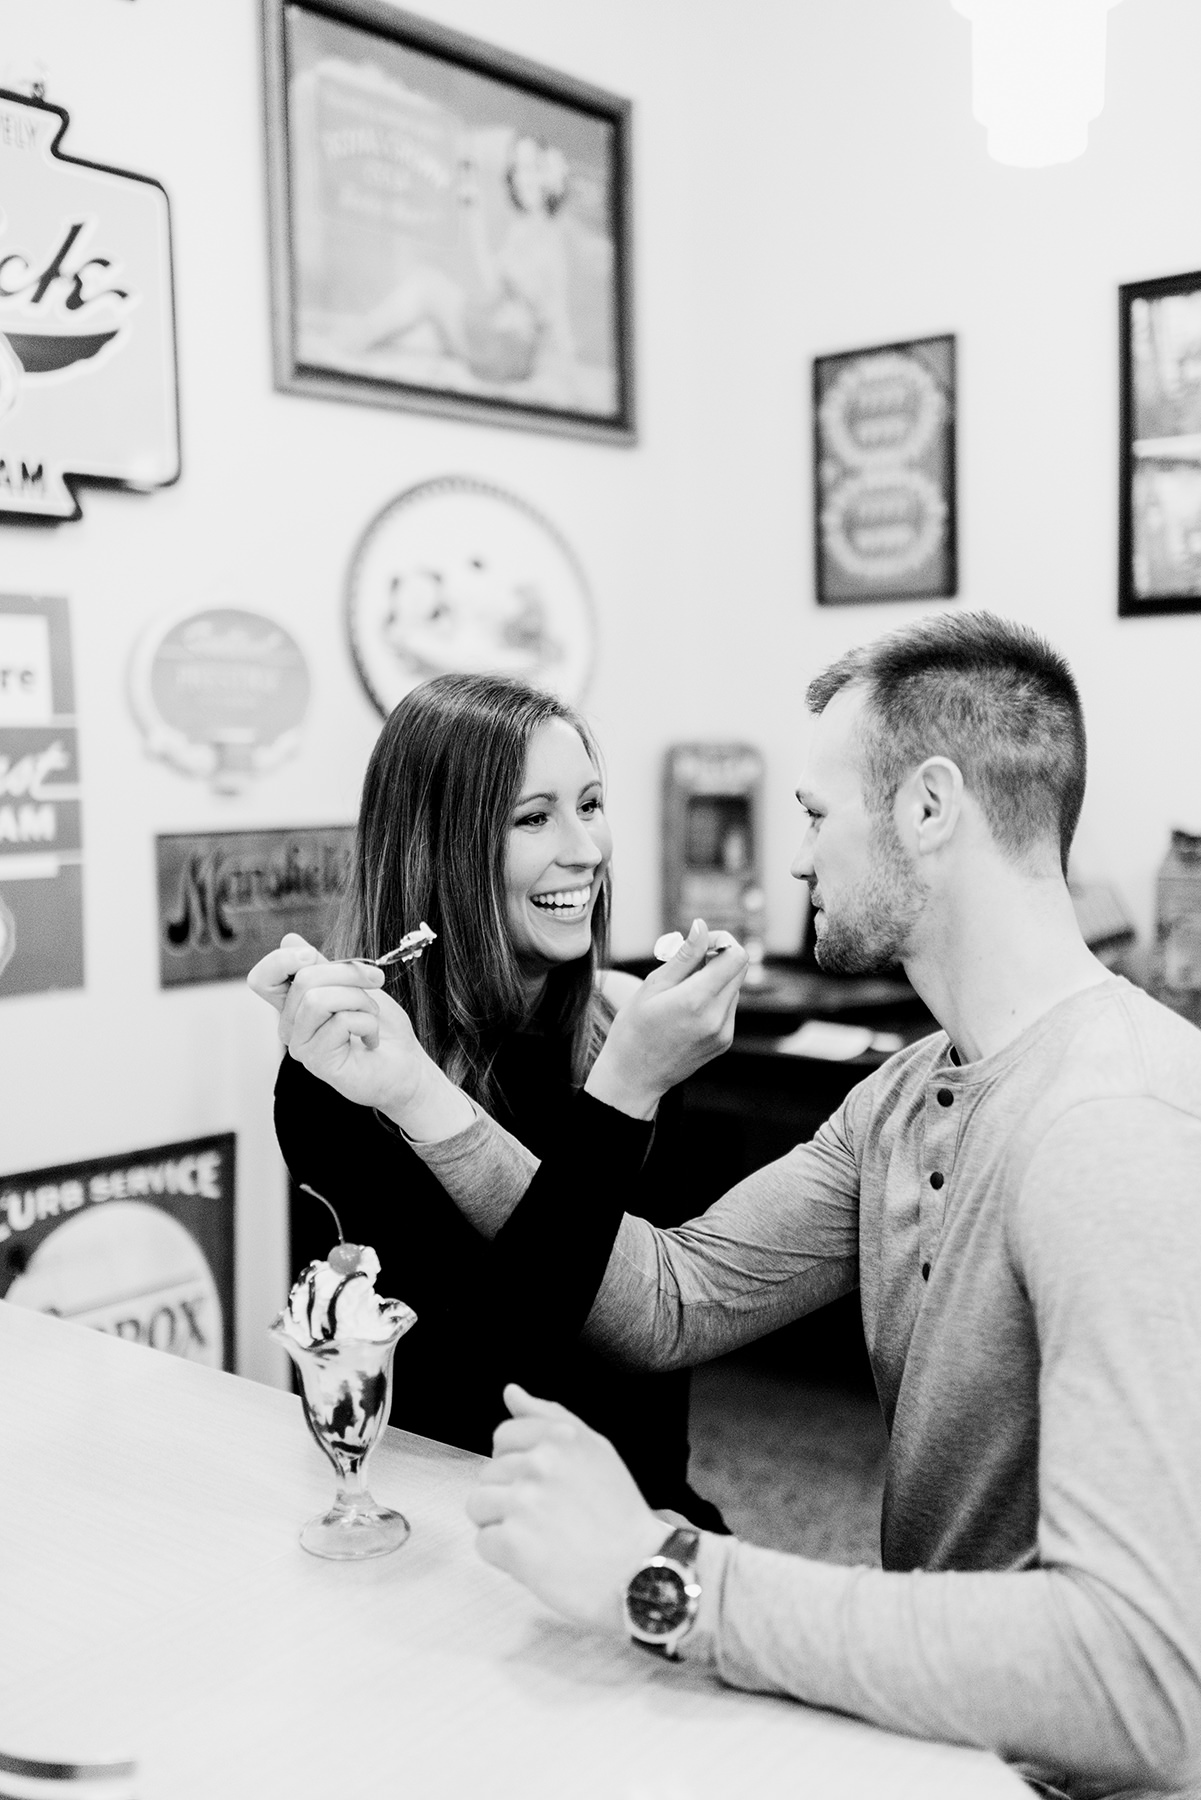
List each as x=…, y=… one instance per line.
x=431, y=844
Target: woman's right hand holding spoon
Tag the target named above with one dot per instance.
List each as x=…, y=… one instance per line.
x=337, y=1021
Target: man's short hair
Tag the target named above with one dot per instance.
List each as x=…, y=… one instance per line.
x=992, y=696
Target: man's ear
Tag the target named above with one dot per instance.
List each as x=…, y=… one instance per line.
x=929, y=804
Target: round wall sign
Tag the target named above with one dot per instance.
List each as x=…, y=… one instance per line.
x=220, y=694
x=455, y=576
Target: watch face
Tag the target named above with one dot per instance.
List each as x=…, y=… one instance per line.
x=657, y=1601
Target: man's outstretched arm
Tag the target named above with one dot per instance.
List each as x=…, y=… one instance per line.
x=781, y=1243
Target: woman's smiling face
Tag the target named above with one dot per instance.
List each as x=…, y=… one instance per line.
x=559, y=849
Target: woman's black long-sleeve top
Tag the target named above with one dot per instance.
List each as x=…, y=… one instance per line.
x=509, y=1309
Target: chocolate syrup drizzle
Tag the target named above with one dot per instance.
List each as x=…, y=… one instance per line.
x=331, y=1315
x=331, y=1321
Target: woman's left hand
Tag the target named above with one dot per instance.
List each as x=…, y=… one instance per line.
x=680, y=1019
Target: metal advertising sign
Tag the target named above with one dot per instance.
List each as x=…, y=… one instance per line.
x=220, y=694
x=87, y=334
x=227, y=897
x=41, y=856
x=140, y=1246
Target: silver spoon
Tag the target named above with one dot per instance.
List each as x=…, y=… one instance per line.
x=411, y=948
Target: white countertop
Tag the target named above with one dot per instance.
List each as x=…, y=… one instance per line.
x=156, y=1604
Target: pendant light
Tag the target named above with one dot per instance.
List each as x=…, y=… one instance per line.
x=1038, y=75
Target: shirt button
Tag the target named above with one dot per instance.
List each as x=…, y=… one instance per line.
x=945, y=1097
x=936, y=1180
x=925, y=1271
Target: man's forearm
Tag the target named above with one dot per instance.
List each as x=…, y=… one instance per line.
x=672, y=1299
x=1042, y=1666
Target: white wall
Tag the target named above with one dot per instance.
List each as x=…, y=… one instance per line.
x=808, y=178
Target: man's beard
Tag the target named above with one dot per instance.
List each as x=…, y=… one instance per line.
x=871, y=932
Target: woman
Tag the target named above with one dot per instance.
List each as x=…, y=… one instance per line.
x=482, y=813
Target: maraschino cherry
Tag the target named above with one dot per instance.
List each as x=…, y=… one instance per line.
x=345, y=1258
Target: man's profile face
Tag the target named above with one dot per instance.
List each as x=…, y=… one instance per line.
x=865, y=893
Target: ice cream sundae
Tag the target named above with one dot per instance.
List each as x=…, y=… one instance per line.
x=341, y=1335
x=337, y=1299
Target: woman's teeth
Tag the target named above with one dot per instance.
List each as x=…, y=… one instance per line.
x=563, y=900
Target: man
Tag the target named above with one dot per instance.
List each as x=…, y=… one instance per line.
x=1018, y=1198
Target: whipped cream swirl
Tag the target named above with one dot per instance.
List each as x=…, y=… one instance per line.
x=329, y=1306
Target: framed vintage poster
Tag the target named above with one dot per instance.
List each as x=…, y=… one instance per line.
x=884, y=473
x=449, y=223
x=1159, y=534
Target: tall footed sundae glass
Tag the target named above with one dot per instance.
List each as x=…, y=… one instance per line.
x=341, y=1335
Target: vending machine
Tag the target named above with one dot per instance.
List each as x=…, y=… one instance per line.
x=711, y=840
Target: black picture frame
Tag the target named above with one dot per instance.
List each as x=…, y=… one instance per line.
x=1159, y=500
x=449, y=224
x=884, y=505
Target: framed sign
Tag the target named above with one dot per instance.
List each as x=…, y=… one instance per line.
x=456, y=576
x=141, y=1246
x=1159, y=535
x=884, y=473
x=449, y=222
x=87, y=333
x=41, y=827
x=227, y=897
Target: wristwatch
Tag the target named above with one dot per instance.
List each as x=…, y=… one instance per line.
x=662, y=1599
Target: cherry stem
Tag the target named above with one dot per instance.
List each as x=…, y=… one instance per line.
x=305, y=1188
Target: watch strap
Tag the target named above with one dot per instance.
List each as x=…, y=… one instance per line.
x=681, y=1547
